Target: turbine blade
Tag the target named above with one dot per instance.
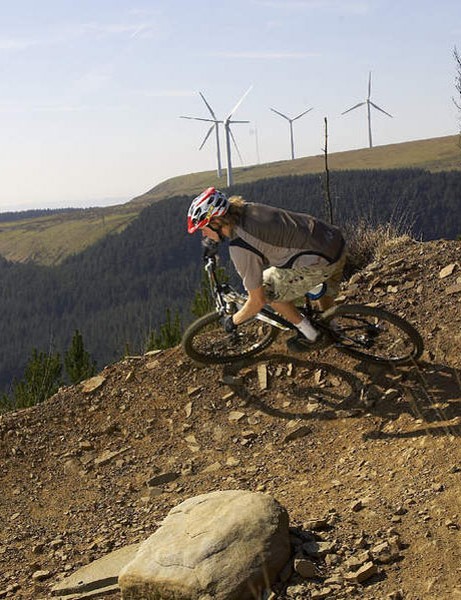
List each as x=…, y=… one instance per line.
x=281, y=114
x=302, y=114
x=369, y=85
x=207, y=136
x=235, y=145
x=208, y=106
x=238, y=103
x=356, y=106
x=378, y=108
x=236, y=121
x=200, y=119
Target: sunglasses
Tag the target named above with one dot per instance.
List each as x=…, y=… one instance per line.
x=214, y=227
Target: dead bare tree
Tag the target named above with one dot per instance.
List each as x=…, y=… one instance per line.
x=326, y=183
x=457, y=99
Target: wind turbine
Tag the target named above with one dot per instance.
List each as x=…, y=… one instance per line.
x=291, y=126
x=369, y=104
x=215, y=125
x=229, y=136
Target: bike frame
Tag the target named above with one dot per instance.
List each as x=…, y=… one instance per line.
x=226, y=299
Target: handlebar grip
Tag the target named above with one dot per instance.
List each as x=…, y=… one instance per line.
x=210, y=248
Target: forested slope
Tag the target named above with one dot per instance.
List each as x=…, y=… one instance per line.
x=118, y=290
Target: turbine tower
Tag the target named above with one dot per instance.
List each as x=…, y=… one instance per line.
x=215, y=125
x=369, y=104
x=290, y=121
x=230, y=136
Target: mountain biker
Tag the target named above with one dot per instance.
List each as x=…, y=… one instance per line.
x=279, y=255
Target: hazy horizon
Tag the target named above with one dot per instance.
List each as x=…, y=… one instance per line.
x=92, y=92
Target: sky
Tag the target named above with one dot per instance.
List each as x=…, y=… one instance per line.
x=91, y=91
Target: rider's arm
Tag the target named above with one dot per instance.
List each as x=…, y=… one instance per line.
x=254, y=303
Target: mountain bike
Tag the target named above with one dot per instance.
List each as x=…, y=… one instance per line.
x=362, y=331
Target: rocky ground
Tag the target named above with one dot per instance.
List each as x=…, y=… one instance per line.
x=366, y=459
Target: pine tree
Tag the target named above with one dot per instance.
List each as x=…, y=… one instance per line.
x=78, y=363
x=170, y=334
x=42, y=378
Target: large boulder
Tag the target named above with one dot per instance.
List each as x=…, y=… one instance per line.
x=226, y=545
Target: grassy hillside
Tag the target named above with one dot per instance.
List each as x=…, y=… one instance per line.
x=48, y=240
x=437, y=154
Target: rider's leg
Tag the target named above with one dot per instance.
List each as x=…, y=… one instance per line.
x=282, y=287
x=292, y=314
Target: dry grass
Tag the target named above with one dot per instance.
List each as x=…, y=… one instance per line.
x=366, y=242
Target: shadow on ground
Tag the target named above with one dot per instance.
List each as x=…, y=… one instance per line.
x=287, y=387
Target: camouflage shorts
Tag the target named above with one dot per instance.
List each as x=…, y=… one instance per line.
x=284, y=285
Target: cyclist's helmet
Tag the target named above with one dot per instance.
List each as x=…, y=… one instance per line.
x=209, y=204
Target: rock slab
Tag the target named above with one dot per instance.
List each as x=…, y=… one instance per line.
x=226, y=545
x=97, y=577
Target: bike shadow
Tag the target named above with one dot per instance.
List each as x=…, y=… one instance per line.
x=289, y=388
x=409, y=401
x=428, y=394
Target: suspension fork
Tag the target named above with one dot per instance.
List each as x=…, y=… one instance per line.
x=215, y=287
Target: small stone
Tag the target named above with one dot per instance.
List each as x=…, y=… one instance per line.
x=391, y=394
x=318, y=549
x=334, y=580
x=401, y=510
x=298, y=433
x=86, y=446
x=363, y=573
x=108, y=455
x=438, y=487
x=454, y=289
x=212, y=468
x=447, y=271
x=316, y=524
x=385, y=552
x=262, y=376
x=158, y=480
x=235, y=415
x=92, y=384
x=41, y=575
x=152, y=365
x=194, y=390
x=305, y=568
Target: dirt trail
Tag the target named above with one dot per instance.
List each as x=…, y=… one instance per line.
x=359, y=455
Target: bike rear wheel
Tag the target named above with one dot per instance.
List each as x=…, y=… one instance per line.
x=206, y=341
x=373, y=334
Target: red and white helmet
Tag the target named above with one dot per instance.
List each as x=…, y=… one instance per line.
x=210, y=204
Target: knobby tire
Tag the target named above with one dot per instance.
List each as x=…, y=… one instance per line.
x=206, y=342
x=395, y=340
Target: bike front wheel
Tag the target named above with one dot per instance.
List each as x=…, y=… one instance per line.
x=206, y=341
x=373, y=334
